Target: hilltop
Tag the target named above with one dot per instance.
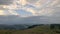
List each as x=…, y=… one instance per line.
x=41, y=29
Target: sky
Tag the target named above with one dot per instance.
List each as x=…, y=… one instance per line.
x=29, y=7
x=49, y=9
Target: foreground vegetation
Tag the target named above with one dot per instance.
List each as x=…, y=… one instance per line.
x=44, y=29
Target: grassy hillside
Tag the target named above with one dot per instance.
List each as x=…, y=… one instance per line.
x=45, y=29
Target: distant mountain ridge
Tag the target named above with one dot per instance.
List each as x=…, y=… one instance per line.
x=18, y=26
x=12, y=27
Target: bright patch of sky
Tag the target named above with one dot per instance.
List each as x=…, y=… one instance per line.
x=24, y=13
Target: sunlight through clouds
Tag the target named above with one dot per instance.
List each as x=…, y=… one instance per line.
x=40, y=6
x=1, y=12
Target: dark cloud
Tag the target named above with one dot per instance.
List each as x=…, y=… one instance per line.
x=6, y=2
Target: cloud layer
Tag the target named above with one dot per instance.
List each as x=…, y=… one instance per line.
x=36, y=7
x=40, y=7
x=12, y=19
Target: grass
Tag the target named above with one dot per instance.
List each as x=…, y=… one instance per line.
x=36, y=30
